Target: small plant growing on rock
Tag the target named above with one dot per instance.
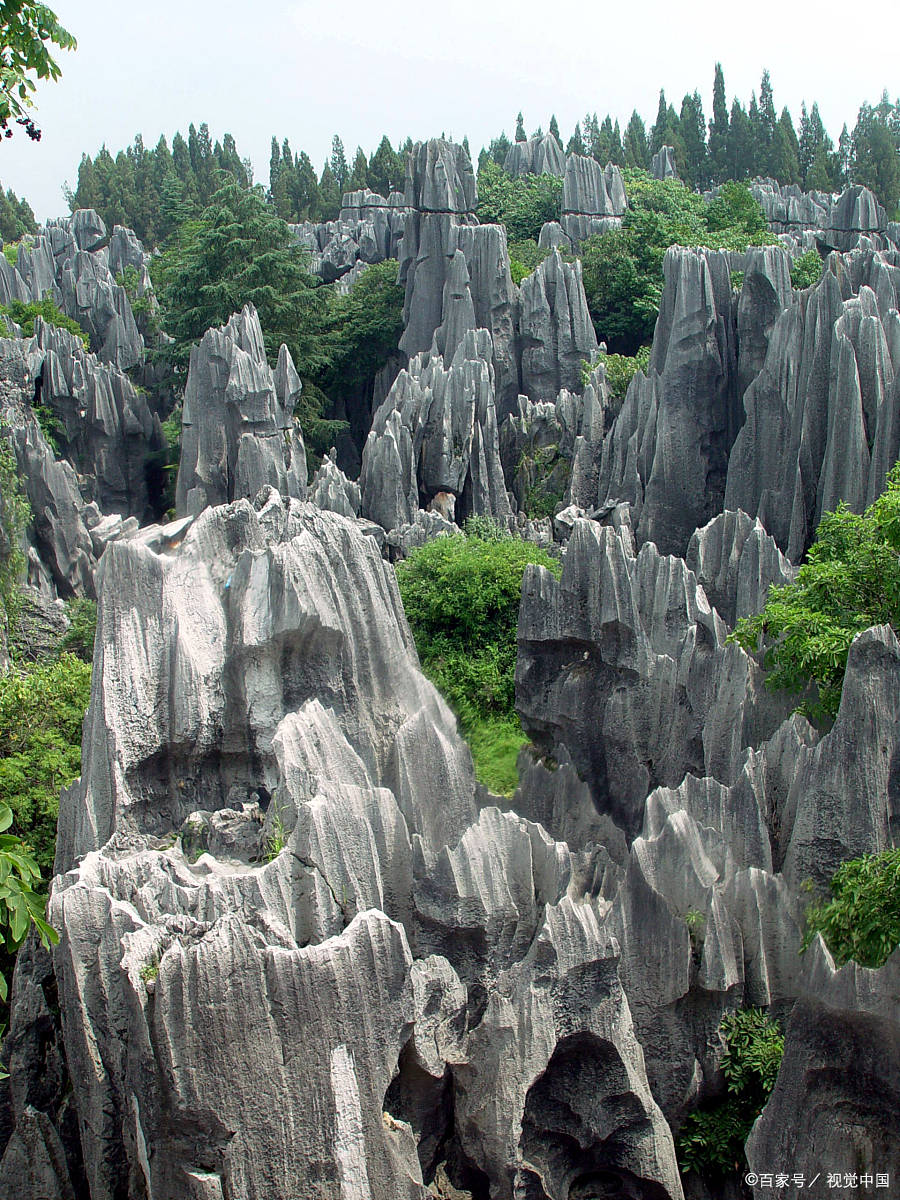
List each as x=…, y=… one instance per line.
x=712, y=1139
x=862, y=919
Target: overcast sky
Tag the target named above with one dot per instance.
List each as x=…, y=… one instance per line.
x=306, y=70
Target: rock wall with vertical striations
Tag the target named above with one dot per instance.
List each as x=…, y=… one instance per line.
x=238, y=428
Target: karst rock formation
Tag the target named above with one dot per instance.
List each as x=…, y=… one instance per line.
x=302, y=952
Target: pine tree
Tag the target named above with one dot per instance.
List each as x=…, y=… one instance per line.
x=521, y=135
x=635, y=143
x=785, y=156
x=576, y=142
x=692, y=127
x=359, y=176
x=718, y=130
x=658, y=132
x=554, y=128
x=339, y=169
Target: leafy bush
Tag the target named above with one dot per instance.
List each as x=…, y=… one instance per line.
x=524, y=256
x=42, y=707
x=461, y=596
x=806, y=270
x=24, y=315
x=11, y=253
x=623, y=269
x=21, y=904
x=15, y=512
x=850, y=581
x=622, y=368
x=79, y=637
x=712, y=1139
x=862, y=920
x=522, y=205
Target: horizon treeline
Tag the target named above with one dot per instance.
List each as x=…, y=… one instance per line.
x=154, y=190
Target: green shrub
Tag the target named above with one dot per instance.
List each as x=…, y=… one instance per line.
x=524, y=256
x=21, y=903
x=79, y=637
x=24, y=315
x=623, y=269
x=523, y=205
x=461, y=596
x=862, y=920
x=806, y=270
x=849, y=582
x=42, y=706
x=621, y=369
x=15, y=513
x=11, y=253
x=711, y=1141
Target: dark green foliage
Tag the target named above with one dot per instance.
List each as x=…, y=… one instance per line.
x=806, y=269
x=461, y=596
x=16, y=218
x=79, y=637
x=522, y=205
x=862, y=919
x=46, y=309
x=21, y=902
x=524, y=256
x=238, y=252
x=849, y=582
x=153, y=191
x=621, y=369
x=712, y=1139
x=29, y=32
x=15, y=513
x=623, y=269
x=876, y=161
x=361, y=331
x=41, y=710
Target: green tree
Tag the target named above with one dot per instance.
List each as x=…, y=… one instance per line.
x=461, y=595
x=718, y=129
x=849, y=582
x=387, y=169
x=522, y=205
x=239, y=252
x=521, y=135
x=42, y=707
x=635, y=143
x=861, y=921
x=877, y=163
x=711, y=1141
x=28, y=32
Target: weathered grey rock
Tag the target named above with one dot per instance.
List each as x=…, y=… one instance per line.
x=437, y=433
x=368, y=230
x=555, y=330
x=331, y=489
x=667, y=452
x=617, y=641
x=537, y=156
x=593, y=199
x=836, y=1102
x=765, y=294
x=552, y=237
x=736, y=562
x=63, y=559
x=238, y=429
x=821, y=421
x=842, y=804
x=662, y=165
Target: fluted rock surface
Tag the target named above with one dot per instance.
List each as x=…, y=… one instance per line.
x=736, y=562
x=821, y=416
x=69, y=259
x=593, y=199
x=441, y=225
x=536, y=156
x=662, y=165
x=556, y=334
x=360, y=978
x=436, y=433
x=836, y=1103
x=238, y=429
x=368, y=230
x=619, y=640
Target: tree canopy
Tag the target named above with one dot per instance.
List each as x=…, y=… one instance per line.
x=28, y=32
x=849, y=582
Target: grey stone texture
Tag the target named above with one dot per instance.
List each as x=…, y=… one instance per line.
x=239, y=433
x=593, y=199
x=662, y=165
x=368, y=230
x=436, y=433
x=276, y=896
x=537, y=156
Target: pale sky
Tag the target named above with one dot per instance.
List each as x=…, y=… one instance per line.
x=305, y=70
